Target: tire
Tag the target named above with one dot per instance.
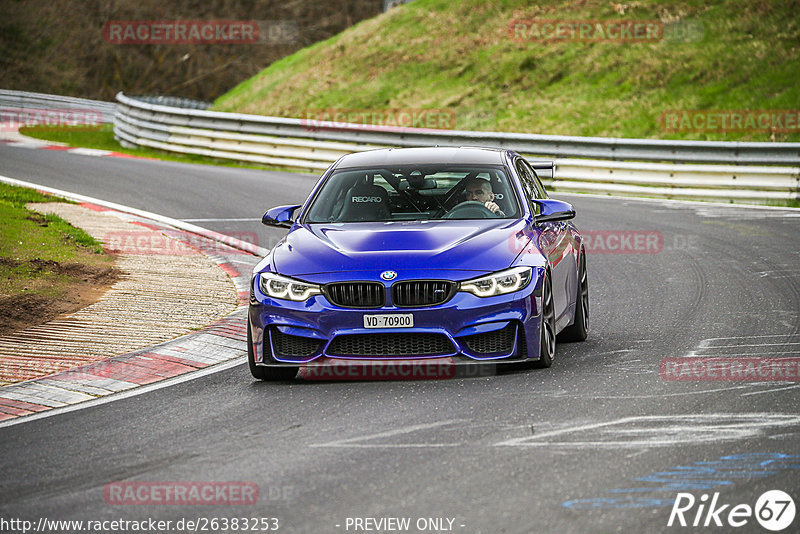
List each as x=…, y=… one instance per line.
x=579, y=329
x=266, y=373
x=547, y=330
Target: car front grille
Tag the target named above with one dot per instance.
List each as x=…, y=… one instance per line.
x=391, y=345
x=289, y=346
x=497, y=342
x=414, y=293
x=356, y=294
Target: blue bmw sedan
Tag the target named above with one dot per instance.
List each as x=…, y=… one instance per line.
x=420, y=254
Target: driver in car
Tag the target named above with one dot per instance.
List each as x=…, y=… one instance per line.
x=480, y=190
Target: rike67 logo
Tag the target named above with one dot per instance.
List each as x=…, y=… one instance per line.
x=774, y=510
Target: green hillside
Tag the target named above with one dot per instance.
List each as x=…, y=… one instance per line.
x=461, y=57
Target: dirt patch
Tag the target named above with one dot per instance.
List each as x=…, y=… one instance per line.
x=38, y=218
x=85, y=285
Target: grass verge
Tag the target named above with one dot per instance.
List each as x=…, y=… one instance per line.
x=47, y=266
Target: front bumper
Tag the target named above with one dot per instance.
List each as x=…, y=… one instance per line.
x=466, y=330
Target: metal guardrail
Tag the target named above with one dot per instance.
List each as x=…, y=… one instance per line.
x=25, y=100
x=668, y=169
x=314, y=145
x=175, y=102
x=550, y=145
x=755, y=184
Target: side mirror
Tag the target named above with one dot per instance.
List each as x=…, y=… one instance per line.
x=553, y=211
x=280, y=216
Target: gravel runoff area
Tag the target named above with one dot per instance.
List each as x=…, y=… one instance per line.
x=173, y=283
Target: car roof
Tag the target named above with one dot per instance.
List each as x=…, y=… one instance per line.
x=430, y=155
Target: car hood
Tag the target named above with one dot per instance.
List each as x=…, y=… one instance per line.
x=474, y=245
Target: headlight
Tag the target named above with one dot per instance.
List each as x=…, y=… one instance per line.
x=280, y=287
x=498, y=283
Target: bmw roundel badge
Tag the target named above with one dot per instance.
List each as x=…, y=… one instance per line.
x=388, y=275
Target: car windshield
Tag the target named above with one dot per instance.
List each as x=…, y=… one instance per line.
x=412, y=193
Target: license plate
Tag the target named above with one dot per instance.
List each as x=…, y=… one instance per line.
x=389, y=320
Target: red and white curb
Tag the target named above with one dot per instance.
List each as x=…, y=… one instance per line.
x=71, y=150
x=10, y=136
x=215, y=348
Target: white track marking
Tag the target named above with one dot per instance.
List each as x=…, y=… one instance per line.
x=706, y=347
x=761, y=354
x=635, y=432
x=773, y=390
x=352, y=442
x=753, y=337
x=753, y=345
x=654, y=396
x=127, y=394
x=90, y=151
x=24, y=144
x=662, y=431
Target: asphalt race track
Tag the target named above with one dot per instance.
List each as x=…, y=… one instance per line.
x=600, y=442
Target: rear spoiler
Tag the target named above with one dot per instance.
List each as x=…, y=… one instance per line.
x=546, y=170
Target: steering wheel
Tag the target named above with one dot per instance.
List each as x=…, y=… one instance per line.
x=471, y=209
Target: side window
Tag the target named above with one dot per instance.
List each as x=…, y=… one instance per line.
x=540, y=185
x=537, y=184
x=527, y=180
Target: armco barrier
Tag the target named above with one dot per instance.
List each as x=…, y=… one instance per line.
x=738, y=153
x=727, y=171
x=740, y=172
x=26, y=100
x=749, y=184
